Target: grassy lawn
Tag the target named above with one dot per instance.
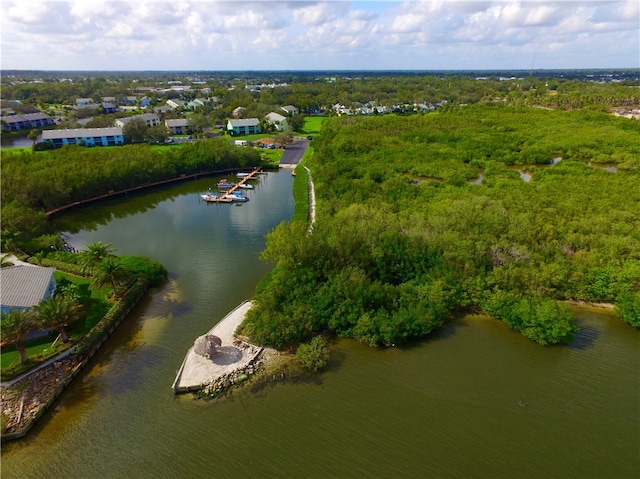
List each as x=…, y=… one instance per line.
x=44, y=347
x=313, y=124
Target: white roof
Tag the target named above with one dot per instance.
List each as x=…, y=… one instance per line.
x=24, y=286
x=81, y=133
x=273, y=117
x=244, y=122
x=176, y=122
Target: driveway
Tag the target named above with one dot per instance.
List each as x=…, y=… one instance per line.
x=293, y=153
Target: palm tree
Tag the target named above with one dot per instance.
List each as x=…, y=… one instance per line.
x=33, y=136
x=95, y=254
x=56, y=312
x=110, y=272
x=16, y=324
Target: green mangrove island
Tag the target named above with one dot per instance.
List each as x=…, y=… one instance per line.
x=512, y=211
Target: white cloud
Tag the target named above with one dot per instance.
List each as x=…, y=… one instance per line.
x=315, y=14
x=102, y=34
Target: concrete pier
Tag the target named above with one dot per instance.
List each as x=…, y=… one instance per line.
x=198, y=371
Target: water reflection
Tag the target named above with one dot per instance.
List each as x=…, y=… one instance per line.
x=610, y=167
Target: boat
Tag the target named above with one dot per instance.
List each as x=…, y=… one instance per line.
x=245, y=186
x=223, y=184
x=210, y=196
x=242, y=174
x=236, y=197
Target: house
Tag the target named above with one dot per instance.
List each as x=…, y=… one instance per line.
x=88, y=136
x=178, y=126
x=247, y=126
x=150, y=119
x=161, y=110
x=197, y=103
x=108, y=107
x=145, y=102
x=84, y=102
x=24, y=286
x=277, y=120
x=130, y=100
x=291, y=110
x=238, y=111
x=108, y=99
x=28, y=120
x=174, y=103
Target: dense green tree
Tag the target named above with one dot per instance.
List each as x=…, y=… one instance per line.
x=628, y=307
x=313, y=355
x=135, y=131
x=296, y=122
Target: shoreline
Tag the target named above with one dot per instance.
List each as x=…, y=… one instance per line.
x=232, y=361
x=576, y=302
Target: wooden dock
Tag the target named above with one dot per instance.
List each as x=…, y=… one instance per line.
x=225, y=197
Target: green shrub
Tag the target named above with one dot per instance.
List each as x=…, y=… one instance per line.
x=313, y=355
x=628, y=308
x=140, y=266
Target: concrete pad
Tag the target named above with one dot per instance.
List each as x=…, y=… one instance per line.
x=198, y=371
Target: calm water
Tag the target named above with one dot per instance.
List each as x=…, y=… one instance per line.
x=474, y=400
x=10, y=141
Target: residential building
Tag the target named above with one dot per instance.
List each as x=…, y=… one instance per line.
x=174, y=103
x=150, y=119
x=130, y=100
x=178, y=126
x=88, y=136
x=145, y=102
x=197, y=103
x=161, y=110
x=84, y=102
x=28, y=120
x=248, y=126
x=24, y=286
x=109, y=107
x=291, y=110
x=277, y=120
x=238, y=112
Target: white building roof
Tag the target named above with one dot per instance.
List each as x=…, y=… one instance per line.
x=273, y=117
x=244, y=122
x=81, y=133
x=24, y=286
x=176, y=122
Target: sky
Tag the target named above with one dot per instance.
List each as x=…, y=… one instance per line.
x=238, y=35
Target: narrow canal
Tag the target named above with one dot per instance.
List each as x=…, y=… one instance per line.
x=474, y=400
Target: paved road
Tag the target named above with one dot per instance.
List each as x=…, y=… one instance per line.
x=293, y=153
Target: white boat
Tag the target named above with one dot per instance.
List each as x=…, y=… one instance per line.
x=210, y=196
x=245, y=186
x=242, y=174
x=236, y=197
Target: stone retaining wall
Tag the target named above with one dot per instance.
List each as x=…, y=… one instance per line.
x=24, y=402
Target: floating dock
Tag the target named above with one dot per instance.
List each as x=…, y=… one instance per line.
x=226, y=196
x=198, y=372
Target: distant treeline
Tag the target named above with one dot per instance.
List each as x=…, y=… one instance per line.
x=35, y=182
x=317, y=91
x=420, y=216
